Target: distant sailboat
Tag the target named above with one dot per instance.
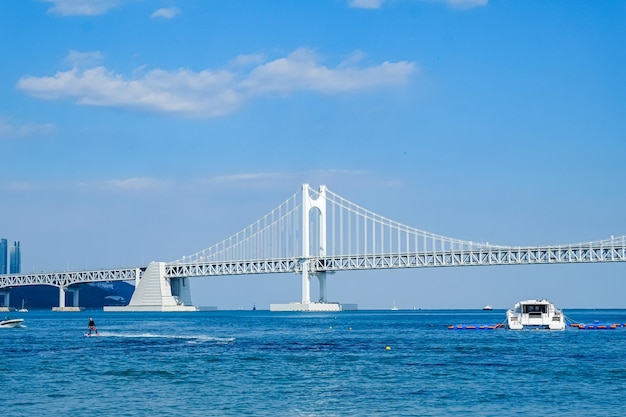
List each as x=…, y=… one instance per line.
x=23, y=309
x=393, y=307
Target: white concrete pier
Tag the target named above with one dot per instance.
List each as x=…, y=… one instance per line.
x=155, y=292
x=295, y=306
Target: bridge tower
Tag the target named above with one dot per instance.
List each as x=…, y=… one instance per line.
x=313, y=207
x=313, y=244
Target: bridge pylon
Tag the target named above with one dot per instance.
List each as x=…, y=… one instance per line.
x=313, y=244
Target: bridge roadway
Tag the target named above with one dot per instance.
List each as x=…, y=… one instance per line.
x=67, y=278
x=584, y=253
x=490, y=256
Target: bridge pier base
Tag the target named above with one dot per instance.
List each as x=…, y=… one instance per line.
x=4, y=300
x=155, y=292
x=313, y=307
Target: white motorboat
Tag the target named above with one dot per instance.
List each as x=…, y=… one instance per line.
x=487, y=307
x=11, y=322
x=535, y=314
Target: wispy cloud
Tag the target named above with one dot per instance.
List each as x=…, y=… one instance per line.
x=453, y=4
x=213, y=93
x=99, y=7
x=21, y=186
x=366, y=4
x=165, y=13
x=244, y=178
x=277, y=180
x=463, y=4
x=81, y=7
x=301, y=70
x=83, y=59
x=238, y=181
x=28, y=129
x=118, y=185
x=248, y=59
x=132, y=184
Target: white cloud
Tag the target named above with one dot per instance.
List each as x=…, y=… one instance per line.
x=455, y=4
x=131, y=184
x=83, y=59
x=248, y=59
x=27, y=129
x=166, y=13
x=20, y=186
x=182, y=91
x=277, y=180
x=245, y=178
x=463, y=4
x=301, y=70
x=81, y=7
x=212, y=93
x=366, y=4
x=352, y=59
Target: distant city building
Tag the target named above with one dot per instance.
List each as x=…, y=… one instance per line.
x=16, y=258
x=4, y=250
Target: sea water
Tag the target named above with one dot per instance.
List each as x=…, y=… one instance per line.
x=257, y=363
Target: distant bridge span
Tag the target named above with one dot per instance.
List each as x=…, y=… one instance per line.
x=313, y=233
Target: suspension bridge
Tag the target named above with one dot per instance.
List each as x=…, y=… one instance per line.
x=313, y=233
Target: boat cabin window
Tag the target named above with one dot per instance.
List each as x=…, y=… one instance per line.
x=534, y=308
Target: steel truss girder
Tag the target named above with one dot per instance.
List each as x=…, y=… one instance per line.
x=67, y=278
x=492, y=256
x=205, y=269
x=500, y=256
x=503, y=256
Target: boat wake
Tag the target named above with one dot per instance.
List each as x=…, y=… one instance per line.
x=198, y=338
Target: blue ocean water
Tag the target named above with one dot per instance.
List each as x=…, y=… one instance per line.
x=257, y=363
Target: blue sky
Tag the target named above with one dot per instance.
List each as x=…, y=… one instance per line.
x=135, y=130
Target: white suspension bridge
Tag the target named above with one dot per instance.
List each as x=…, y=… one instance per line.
x=313, y=233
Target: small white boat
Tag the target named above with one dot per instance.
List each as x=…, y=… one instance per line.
x=11, y=322
x=535, y=314
x=393, y=307
x=487, y=307
x=23, y=309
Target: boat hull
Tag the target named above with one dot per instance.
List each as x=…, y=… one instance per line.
x=535, y=314
x=11, y=322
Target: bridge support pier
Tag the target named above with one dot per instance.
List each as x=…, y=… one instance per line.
x=74, y=304
x=155, y=292
x=306, y=283
x=4, y=300
x=321, y=277
x=75, y=296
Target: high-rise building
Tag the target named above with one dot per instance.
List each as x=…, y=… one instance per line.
x=4, y=247
x=16, y=258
